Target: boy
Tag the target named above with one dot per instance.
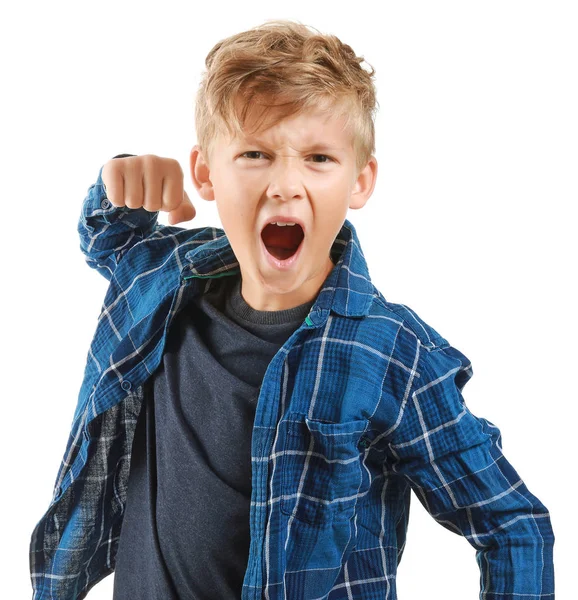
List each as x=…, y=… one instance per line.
x=254, y=413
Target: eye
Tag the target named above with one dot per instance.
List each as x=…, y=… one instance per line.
x=251, y=152
x=329, y=159
x=323, y=156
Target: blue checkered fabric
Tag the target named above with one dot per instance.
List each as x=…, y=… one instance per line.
x=360, y=406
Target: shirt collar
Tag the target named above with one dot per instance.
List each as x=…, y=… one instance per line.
x=347, y=289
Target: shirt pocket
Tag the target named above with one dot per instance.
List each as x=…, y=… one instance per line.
x=321, y=472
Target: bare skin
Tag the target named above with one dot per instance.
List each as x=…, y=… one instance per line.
x=151, y=182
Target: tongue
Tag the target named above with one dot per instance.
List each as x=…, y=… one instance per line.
x=285, y=238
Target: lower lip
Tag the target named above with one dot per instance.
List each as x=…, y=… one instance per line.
x=282, y=265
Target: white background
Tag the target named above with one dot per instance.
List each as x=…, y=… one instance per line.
x=472, y=222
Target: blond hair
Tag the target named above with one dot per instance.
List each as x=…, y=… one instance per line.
x=286, y=66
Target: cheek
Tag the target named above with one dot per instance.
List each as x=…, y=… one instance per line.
x=331, y=221
x=244, y=180
x=236, y=219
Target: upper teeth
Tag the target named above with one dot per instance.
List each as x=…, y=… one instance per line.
x=282, y=224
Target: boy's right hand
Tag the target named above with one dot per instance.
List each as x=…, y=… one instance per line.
x=148, y=181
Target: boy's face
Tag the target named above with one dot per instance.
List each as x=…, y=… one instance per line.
x=279, y=171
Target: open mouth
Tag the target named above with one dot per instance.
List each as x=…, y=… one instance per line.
x=282, y=241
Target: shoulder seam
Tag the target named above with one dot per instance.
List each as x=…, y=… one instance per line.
x=437, y=343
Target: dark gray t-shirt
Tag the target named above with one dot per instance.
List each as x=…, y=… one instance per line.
x=185, y=532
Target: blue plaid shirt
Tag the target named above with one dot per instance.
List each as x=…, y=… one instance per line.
x=362, y=404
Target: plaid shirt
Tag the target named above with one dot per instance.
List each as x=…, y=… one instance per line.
x=362, y=404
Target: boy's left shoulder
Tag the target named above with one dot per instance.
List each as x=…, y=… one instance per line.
x=406, y=335
x=402, y=316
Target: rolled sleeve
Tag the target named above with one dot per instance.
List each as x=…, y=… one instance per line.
x=106, y=231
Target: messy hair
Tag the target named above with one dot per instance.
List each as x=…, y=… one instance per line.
x=282, y=68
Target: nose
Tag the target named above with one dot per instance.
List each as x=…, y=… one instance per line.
x=286, y=179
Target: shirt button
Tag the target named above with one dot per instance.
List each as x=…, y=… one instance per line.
x=105, y=203
x=125, y=385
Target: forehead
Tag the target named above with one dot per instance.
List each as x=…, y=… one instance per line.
x=306, y=129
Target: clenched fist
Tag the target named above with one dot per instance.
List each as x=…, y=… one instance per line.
x=148, y=181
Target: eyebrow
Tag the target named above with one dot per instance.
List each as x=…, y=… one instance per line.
x=319, y=146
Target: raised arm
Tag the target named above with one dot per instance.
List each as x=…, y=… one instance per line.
x=453, y=461
x=108, y=231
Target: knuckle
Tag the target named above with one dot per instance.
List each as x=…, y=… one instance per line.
x=131, y=201
x=149, y=160
x=178, y=168
x=173, y=168
x=153, y=204
x=171, y=203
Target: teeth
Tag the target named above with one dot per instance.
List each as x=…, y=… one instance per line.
x=283, y=224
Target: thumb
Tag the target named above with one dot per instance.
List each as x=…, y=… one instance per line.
x=184, y=212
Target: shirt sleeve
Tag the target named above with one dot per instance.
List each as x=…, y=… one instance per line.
x=106, y=231
x=453, y=461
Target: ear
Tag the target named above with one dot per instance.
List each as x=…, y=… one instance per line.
x=200, y=174
x=364, y=184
